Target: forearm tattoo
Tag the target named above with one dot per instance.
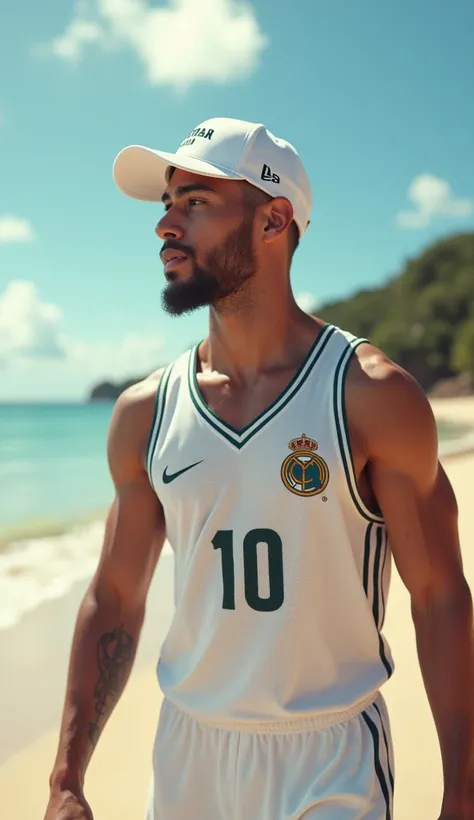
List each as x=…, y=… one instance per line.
x=115, y=652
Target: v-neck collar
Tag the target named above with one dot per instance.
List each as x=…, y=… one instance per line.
x=240, y=437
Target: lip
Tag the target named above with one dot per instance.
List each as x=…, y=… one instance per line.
x=174, y=262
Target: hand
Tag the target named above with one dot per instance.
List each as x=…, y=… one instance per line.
x=64, y=805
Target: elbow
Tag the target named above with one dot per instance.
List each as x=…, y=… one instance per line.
x=126, y=603
x=452, y=597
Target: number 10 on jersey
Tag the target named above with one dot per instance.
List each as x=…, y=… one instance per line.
x=224, y=541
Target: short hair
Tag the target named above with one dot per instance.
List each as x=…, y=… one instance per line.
x=253, y=197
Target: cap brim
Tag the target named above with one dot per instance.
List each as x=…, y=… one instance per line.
x=140, y=172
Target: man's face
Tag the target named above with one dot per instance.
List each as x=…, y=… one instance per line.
x=208, y=249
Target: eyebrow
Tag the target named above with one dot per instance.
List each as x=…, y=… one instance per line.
x=181, y=190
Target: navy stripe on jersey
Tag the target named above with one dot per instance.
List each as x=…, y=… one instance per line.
x=375, y=543
x=381, y=776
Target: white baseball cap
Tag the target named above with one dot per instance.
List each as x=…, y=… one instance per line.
x=224, y=148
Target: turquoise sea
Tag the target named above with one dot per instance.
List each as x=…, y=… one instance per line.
x=54, y=491
x=52, y=463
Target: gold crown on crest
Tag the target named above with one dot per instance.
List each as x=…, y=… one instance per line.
x=303, y=442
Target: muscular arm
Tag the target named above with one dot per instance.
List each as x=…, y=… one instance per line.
x=112, y=612
x=420, y=510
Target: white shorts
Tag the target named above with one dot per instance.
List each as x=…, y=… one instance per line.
x=341, y=772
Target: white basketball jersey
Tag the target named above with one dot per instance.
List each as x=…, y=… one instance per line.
x=281, y=571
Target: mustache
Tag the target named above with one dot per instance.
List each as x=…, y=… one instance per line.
x=173, y=244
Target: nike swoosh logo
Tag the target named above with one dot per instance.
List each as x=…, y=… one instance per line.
x=169, y=477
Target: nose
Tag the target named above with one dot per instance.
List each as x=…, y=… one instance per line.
x=168, y=227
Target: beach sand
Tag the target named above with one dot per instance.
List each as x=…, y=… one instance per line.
x=460, y=410
x=34, y=661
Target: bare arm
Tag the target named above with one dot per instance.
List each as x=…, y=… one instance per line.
x=111, y=615
x=420, y=510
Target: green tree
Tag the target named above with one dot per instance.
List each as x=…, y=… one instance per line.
x=417, y=316
x=463, y=348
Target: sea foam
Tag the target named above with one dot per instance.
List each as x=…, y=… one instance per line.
x=36, y=570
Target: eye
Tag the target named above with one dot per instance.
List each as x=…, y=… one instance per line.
x=191, y=202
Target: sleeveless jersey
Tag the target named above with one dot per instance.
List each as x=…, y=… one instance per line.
x=281, y=570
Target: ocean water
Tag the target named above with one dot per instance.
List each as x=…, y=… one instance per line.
x=54, y=492
x=55, y=489
x=52, y=462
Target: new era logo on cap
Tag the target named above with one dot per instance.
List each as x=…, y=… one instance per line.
x=225, y=148
x=267, y=175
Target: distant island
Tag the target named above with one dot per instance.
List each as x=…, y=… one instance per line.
x=423, y=318
x=110, y=391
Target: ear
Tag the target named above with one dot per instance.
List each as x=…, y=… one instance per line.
x=279, y=216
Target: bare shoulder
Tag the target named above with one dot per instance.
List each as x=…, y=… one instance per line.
x=376, y=378
x=387, y=405
x=371, y=368
x=130, y=427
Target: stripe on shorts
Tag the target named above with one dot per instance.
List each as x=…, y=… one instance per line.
x=387, y=748
x=381, y=775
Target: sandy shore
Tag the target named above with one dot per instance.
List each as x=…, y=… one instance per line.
x=31, y=694
x=31, y=709
x=460, y=410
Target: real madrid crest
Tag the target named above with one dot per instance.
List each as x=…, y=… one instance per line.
x=304, y=472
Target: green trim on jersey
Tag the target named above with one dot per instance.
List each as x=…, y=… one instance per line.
x=377, y=575
x=383, y=656
x=376, y=541
x=385, y=553
x=240, y=437
x=160, y=401
x=343, y=431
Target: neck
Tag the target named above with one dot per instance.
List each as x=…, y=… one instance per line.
x=257, y=334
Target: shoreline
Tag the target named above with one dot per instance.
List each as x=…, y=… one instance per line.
x=457, y=414
x=51, y=526
x=41, y=640
x=48, y=527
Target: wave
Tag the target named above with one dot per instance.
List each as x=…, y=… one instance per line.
x=38, y=569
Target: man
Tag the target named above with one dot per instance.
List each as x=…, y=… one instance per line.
x=285, y=461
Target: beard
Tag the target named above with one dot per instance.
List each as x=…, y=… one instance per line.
x=227, y=269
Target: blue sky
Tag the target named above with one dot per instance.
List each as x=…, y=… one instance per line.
x=374, y=95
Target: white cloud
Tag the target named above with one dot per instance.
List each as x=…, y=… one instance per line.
x=134, y=356
x=306, y=301
x=71, y=44
x=32, y=329
x=15, y=229
x=28, y=326
x=181, y=43
x=432, y=197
